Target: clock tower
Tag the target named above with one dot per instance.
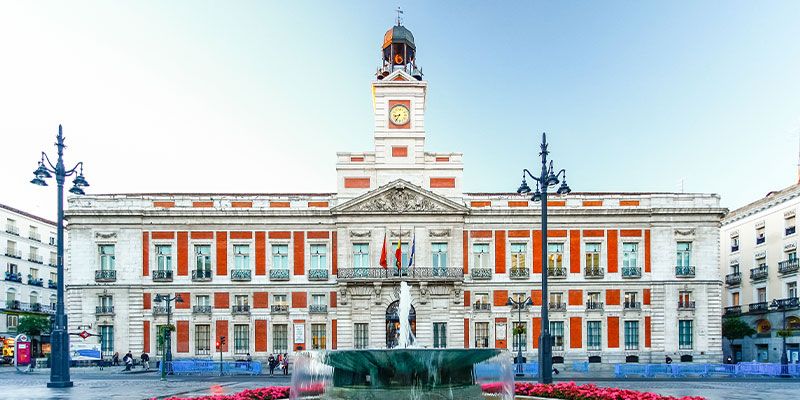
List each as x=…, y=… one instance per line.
x=398, y=98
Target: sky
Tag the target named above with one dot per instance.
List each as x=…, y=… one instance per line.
x=257, y=96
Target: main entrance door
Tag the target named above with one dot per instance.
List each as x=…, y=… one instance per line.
x=393, y=323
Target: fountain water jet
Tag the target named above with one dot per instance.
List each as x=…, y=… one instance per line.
x=406, y=338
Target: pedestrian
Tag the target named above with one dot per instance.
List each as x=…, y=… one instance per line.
x=555, y=371
x=272, y=363
x=115, y=359
x=669, y=360
x=128, y=362
x=32, y=365
x=286, y=364
x=145, y=361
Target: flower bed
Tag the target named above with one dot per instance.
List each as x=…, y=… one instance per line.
x=571, y=391
x=267, y=393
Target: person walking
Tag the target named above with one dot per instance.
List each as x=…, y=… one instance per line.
x=128, y=360
x=145, y=361
x=115, y=359
x=668, y=360
x=271, y=362
x=286, y=364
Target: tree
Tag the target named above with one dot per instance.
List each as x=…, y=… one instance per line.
x=33, y=325
x=734, y=328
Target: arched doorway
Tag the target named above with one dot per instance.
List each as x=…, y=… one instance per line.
x=393, y=323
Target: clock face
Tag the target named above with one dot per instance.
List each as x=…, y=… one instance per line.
x=399, y=114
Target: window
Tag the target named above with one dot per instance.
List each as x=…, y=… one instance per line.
x=760, y=235
x=361, y=255
x=34, y=273
x=791, y=255
x=33, y=232
x=630, y=300
x=735, y=298
x=557, y=331
x=630, y=255
x=318, y=336
x=241, y=339
x=106, y=302
x=482, y=298
x=555, y=257
x=439, y=335
x=280, y=256
x=280, y=334
x=202, y=256
x=631, y=335
x=593, y=334
x=734, y=244
x=106, y=257
x=12, y=268
x=684, y=254
x=52, y=240
x=34, y=298
x=520, y=340
x=556, y=298
x=279, y=299
x=685, y=299
x=319, y=256
x=11, y=248
x=761, y=261
x=12, y=321
x=361, y=336
x=318, y=299
x=11, y=295
x=685, y=334
x=761, y=295
x=53, y=300
x=481, y=334
x=480, y=255
x=518, y=252
x=592, y=256
x=593, y=300
x=519, y=297
x=241, y=256
x=240, y=300
x=106, y=340
x=203, y=300
x=791, y=289
x=164, y=257
x=790, y=226
x=202, y=339
x=439, y=257
x=53, y=259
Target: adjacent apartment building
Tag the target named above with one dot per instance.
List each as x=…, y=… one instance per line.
x=759, y=260
x=634, y=276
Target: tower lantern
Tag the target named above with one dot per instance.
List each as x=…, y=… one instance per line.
x=398, y=51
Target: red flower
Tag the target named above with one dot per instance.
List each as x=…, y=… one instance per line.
x=571, y=391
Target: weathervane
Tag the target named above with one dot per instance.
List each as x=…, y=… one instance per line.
x=399, y=20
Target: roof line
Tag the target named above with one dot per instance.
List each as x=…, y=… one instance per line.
x=27, y=214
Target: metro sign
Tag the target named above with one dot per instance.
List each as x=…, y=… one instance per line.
x=84, y=335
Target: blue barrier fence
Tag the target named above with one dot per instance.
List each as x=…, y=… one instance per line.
x=208, y=367
x=704, y=370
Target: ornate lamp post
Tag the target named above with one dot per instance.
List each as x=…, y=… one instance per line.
x=547, y=178
x=167, y=355
x=59, y=365
x=520, y=304
x=783, y=305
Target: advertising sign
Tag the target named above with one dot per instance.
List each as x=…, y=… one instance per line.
x=23, y=350
x=299, y=333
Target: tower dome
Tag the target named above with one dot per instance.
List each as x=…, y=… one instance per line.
x=398, y=52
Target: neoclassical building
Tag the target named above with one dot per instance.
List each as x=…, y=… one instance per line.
x=634, y=276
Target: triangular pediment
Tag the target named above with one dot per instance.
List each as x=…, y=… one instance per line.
x=400, y=197
x=399, y=75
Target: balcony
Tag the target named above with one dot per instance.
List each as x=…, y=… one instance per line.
x=36, y=258
x=159, y=310
x=12, y=229
x=205, y=309
x=279, y=308
x=518, y=306
x=733, y=279
x=520, y=273
x=556, y=272
x=733, y=311
x=29, y=307
x=279, y=274
x=35, y=236
x=408, y=274
x=51, y=284
x=35, y=281
x=14, y=253
x=14, y=276
x=480, y=274
x=162, y=275
x=684, y=271
x=105, y=275
x=789, y=230
x=482, y=307
x=632, y=305
x=241, y=275
x=318, y=275
x=557, y=306
x=594, y=306
x=594, y=272
x=759, y=273
x=685, y=305
x=201, y=275
x=631, y=272
x=759, y=308
x=785, y=304
x=318, y=308
x=52, y=262
x=104, y=310
x=788, y=267
x=240, y=309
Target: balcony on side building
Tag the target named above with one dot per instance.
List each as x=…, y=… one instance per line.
x=105, y=275
x=686, y=305
x=35, y=236
x=12, y=229
x=631, y=272
x=205, y=309
x=162, y=275
x=482, y=307
x=35, y=281
x=407, y=274
x=481, y=274
x=786, y=303
x=104, y=310
x=594, y=272
x=733, y=279
x=594, y=306
x=14, y=253
x=733, y=311
x=279, y=309
x=159, y=310
x=684, y=271
x=240, y=309
x=631, y=305
x=556, y=272
x=14, y=276
x=557, y=306
x=317, y=274
x=51, y=284
x=788, y=267
x=759, y=307
x=318, y=308
x=16, y=305
x=36, y=258
x=279, y=274
x=759, y=273
x=241, y=275
x=201, y=275
x=520, y=273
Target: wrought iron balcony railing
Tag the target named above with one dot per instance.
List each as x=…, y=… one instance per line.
x=632, y=305
x=685, y=305
x=201, y=275
x=788, y=266
x=35, y=236
x=412, y=273
x=520, y=273
x=240, y=309
x=631, y=272
x=280, y=274
x=35, y=281
x=14, y=253
x=36, y=258
x=759, y=307
x=159, y=310
x=53, y=262
x=557, y=306
x=317, y=274
x=482, y=307
x=12, y=229
x=318, y=308
x=733, y=279
x=162, y=275
x=279, y=308
x=204, y=309
x=104, y=310
x=594, y=272
x=17, y=305
x=556, y=272
x=14, y=276
x=787, y=303
x=733, y=310
x=759, y=273
x=241, y=275
x=684, y=271
x=481, y=273
x=105, y=275
x=51, y=284
x=594, y=305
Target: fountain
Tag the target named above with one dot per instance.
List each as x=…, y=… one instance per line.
x=406, y=372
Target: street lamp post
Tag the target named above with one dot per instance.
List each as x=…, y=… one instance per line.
x=166, y=358
x=59, y=362
x=519, y=304
x=547, y=178
x=782, y=306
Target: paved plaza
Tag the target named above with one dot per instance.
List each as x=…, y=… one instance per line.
x=114, y=384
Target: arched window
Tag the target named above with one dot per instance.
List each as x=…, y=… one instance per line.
x=53, y=300
x=34, y=298
x=763, y=326
x=793, y=323
x=11, y=295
